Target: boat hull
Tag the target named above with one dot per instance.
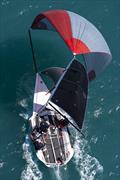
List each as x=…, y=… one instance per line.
x=57, y=149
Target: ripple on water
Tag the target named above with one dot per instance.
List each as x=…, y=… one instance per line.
x=5, y=2
x=97, y=112
x=1, y=164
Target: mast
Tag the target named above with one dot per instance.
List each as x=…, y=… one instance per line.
x=33, y=54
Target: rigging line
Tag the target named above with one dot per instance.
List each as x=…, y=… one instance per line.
x=42, y=108
x=78, y=35
x=33, y=54
x=81, y=39
x=66, y=119
x=81, y=33
x=83, y=30
x=36, y=87
x=49, y=91
x=83, y=55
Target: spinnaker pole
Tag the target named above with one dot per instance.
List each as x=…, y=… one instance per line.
x=66, y=119
x=33, y=54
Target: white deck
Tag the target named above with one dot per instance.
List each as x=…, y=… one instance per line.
x=57, y=145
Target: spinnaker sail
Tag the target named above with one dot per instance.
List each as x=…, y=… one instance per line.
x=80, y=35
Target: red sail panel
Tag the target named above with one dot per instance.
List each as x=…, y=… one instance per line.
x=77, y=46
x=61, y=22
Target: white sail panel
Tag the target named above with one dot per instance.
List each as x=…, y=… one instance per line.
x=41, y=94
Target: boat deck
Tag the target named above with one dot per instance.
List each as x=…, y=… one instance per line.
x=54, y=149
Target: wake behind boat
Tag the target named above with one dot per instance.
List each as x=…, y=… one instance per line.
x=56, y=109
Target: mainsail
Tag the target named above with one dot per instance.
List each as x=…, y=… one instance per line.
x=54, y=73
x=71, y=92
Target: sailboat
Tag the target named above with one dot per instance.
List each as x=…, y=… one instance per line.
x=56, y=109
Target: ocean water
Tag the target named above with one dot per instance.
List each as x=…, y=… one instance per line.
x=97, y=156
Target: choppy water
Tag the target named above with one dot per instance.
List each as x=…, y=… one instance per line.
x=97, y=156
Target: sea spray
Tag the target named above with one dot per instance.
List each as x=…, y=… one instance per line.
x=1, y=164
x=31, y=171
x=86, y=165
x=57, y=173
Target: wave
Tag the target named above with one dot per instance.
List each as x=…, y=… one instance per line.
x=24, y=98
x=60, y=173
x=86, y=165
x=31, y=171
x=5, y=2
x=57, y=173
x=1, y=164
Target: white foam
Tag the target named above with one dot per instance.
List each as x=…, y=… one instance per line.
x=102, y=86
x=116, y=156
x=94, y=139
x=86, y=165
x=117, y=108
x=97, y=112
x=57, y=173
x=30, y=6
x=26, y=10
x=111, y=173
x=102, y=99
x=4, y=3
x=24, y=115
x=110, y=111
x=31, y=171
x=23, y=128
x=22, y=12
x=23, y=103
x=1, y=164
x=50, y=6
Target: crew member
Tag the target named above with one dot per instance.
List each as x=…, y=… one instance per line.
x=38, y=144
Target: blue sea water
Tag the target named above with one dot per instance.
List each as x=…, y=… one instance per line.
x=97, y=156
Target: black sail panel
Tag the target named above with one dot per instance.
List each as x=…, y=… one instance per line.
x=54, y=73
x=71, y=92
